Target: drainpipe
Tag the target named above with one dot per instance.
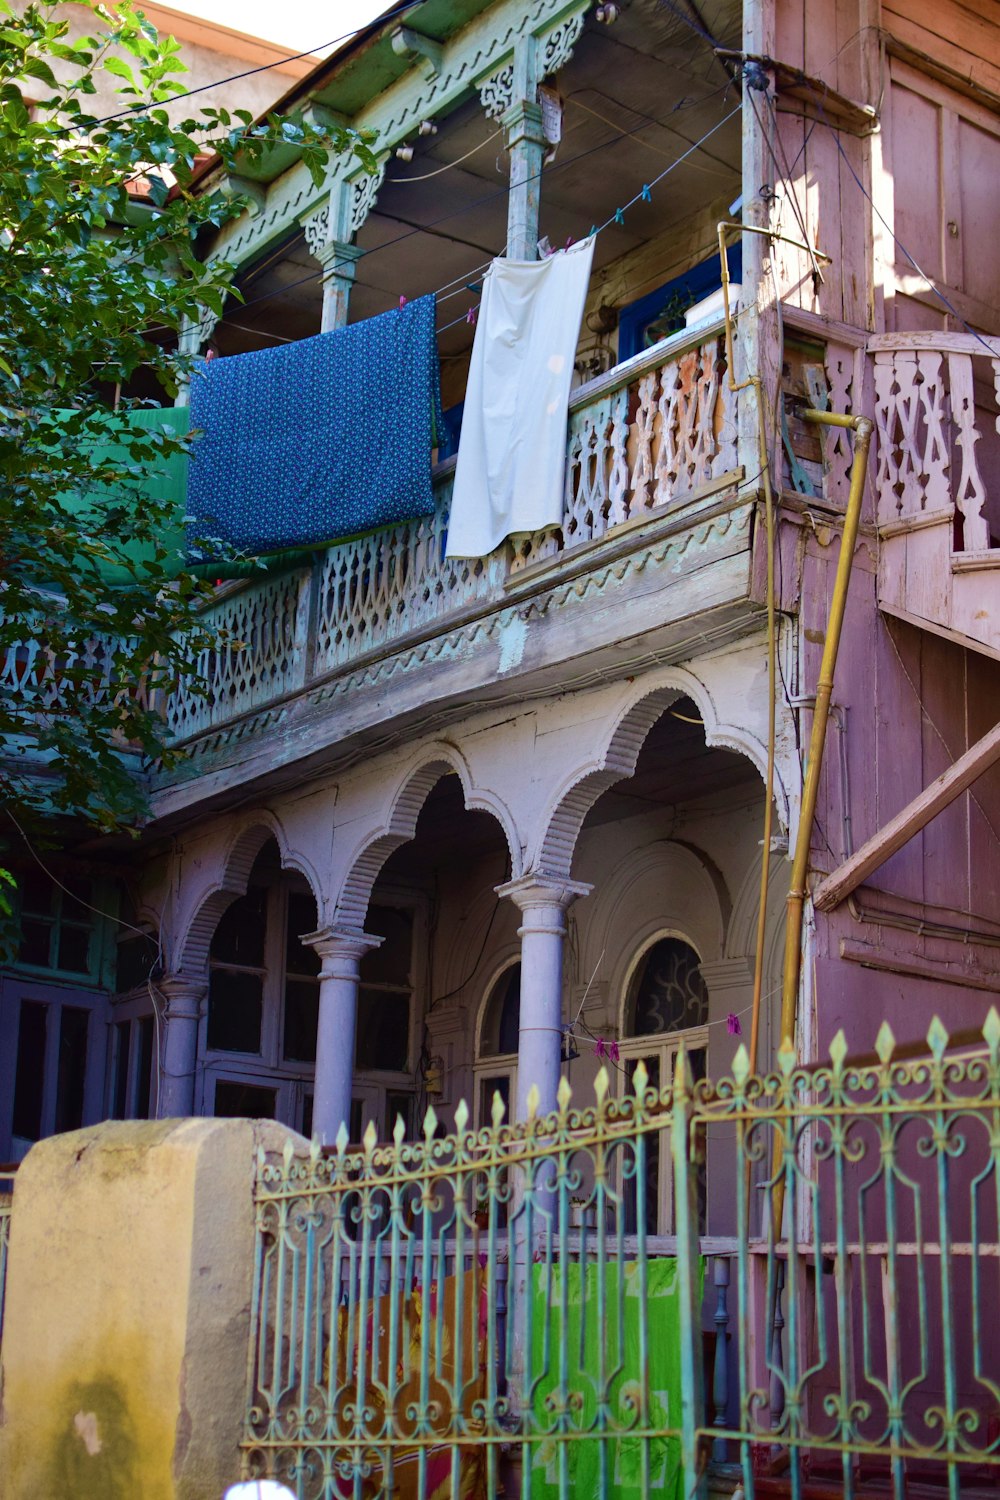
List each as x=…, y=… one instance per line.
x=863, y=428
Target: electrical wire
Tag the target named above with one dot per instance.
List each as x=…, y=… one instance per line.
x=140, y=108
x=990, y=348
x=501, y=192
x=426, y=176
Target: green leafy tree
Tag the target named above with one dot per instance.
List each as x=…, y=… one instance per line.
x=93, y=286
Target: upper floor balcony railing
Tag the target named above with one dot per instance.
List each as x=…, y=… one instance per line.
x=937, y=413
x=646, y=440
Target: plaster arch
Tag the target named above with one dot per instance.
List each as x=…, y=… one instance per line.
x=399, y=825
x=229, y=880
x=625, y=919
x=622, y=741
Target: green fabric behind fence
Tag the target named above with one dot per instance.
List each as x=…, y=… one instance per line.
x=617, y=1335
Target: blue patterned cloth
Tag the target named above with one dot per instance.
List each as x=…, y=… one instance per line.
x=317, y=439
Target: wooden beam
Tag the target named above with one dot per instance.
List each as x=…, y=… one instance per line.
x=916, y=815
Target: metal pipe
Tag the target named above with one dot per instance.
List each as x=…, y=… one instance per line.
x=863, y=428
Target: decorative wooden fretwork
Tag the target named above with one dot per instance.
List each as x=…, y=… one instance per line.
x=261, y=654
x=643, y=448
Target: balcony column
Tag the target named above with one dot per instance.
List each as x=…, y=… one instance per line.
x=341, y=951
x=179, y=1019
x=522, y=122
x=338, y=261
x=543, y=901
x=191, y=340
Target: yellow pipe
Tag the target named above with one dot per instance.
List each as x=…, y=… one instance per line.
x=792, y=971
x=821, y=713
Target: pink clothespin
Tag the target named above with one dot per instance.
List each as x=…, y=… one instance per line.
x=569, y=241
x=470, y=316
x=733, y=1024
x=599, y=1048
x=402, y=303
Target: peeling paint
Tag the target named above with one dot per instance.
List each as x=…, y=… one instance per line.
x=513, y=637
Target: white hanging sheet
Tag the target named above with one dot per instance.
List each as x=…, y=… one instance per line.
x=512, y=450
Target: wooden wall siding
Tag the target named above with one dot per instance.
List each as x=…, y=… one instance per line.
x=909, y=702
x=941, y=155
x=833, y=42
x=960, y=35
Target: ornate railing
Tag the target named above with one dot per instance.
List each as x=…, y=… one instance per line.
x=937, y=413
x=430, y=1316
x=937, y=399
x=641, y=441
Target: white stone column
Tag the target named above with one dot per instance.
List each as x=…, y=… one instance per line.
x=178, y=1023
x=341, y=951
x=543, y=900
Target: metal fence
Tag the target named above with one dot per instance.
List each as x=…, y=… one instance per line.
x=488, y=1312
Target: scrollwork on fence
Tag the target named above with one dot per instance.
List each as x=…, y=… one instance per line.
x=444, y=1307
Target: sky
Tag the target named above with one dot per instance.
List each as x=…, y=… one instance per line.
x=299, y=24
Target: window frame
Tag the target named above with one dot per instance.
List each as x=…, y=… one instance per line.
x=498, y=1064
x=14, y=988
x=664, y=1046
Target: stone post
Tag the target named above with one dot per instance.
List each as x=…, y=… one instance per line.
x=178, y=1050
x=341, y=951
x=127, y=1315
x=543, y=901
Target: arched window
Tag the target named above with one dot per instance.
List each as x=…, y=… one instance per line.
x=666, y=1002
x=668, y=992
x=497, y=1057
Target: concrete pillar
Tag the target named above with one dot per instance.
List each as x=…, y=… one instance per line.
x=543, y=901
x=127, y=1316
x=180, y=1018
x=341, y=951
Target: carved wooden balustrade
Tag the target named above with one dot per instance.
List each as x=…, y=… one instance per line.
x=644, y=440
x=937, y=398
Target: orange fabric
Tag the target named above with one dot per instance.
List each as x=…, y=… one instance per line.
x=452, y=1383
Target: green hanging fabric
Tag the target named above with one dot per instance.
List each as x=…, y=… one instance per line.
x=167, y=485
x=615, y=1338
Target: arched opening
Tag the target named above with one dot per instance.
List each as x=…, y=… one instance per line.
x=259, y=1031
x=433, y=903
x=651, y=964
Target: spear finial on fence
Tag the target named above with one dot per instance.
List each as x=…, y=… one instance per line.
x=885, y=1042
x=937, y=1038
x=498, y=1109
x=601, y=1085
x=640, y=1079
x=991, y=1031
x=838, y=1051
x=461, y=1116
x=563, y=1094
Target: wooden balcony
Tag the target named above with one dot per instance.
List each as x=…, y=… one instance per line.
x=937, y=412
x=653, y=515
